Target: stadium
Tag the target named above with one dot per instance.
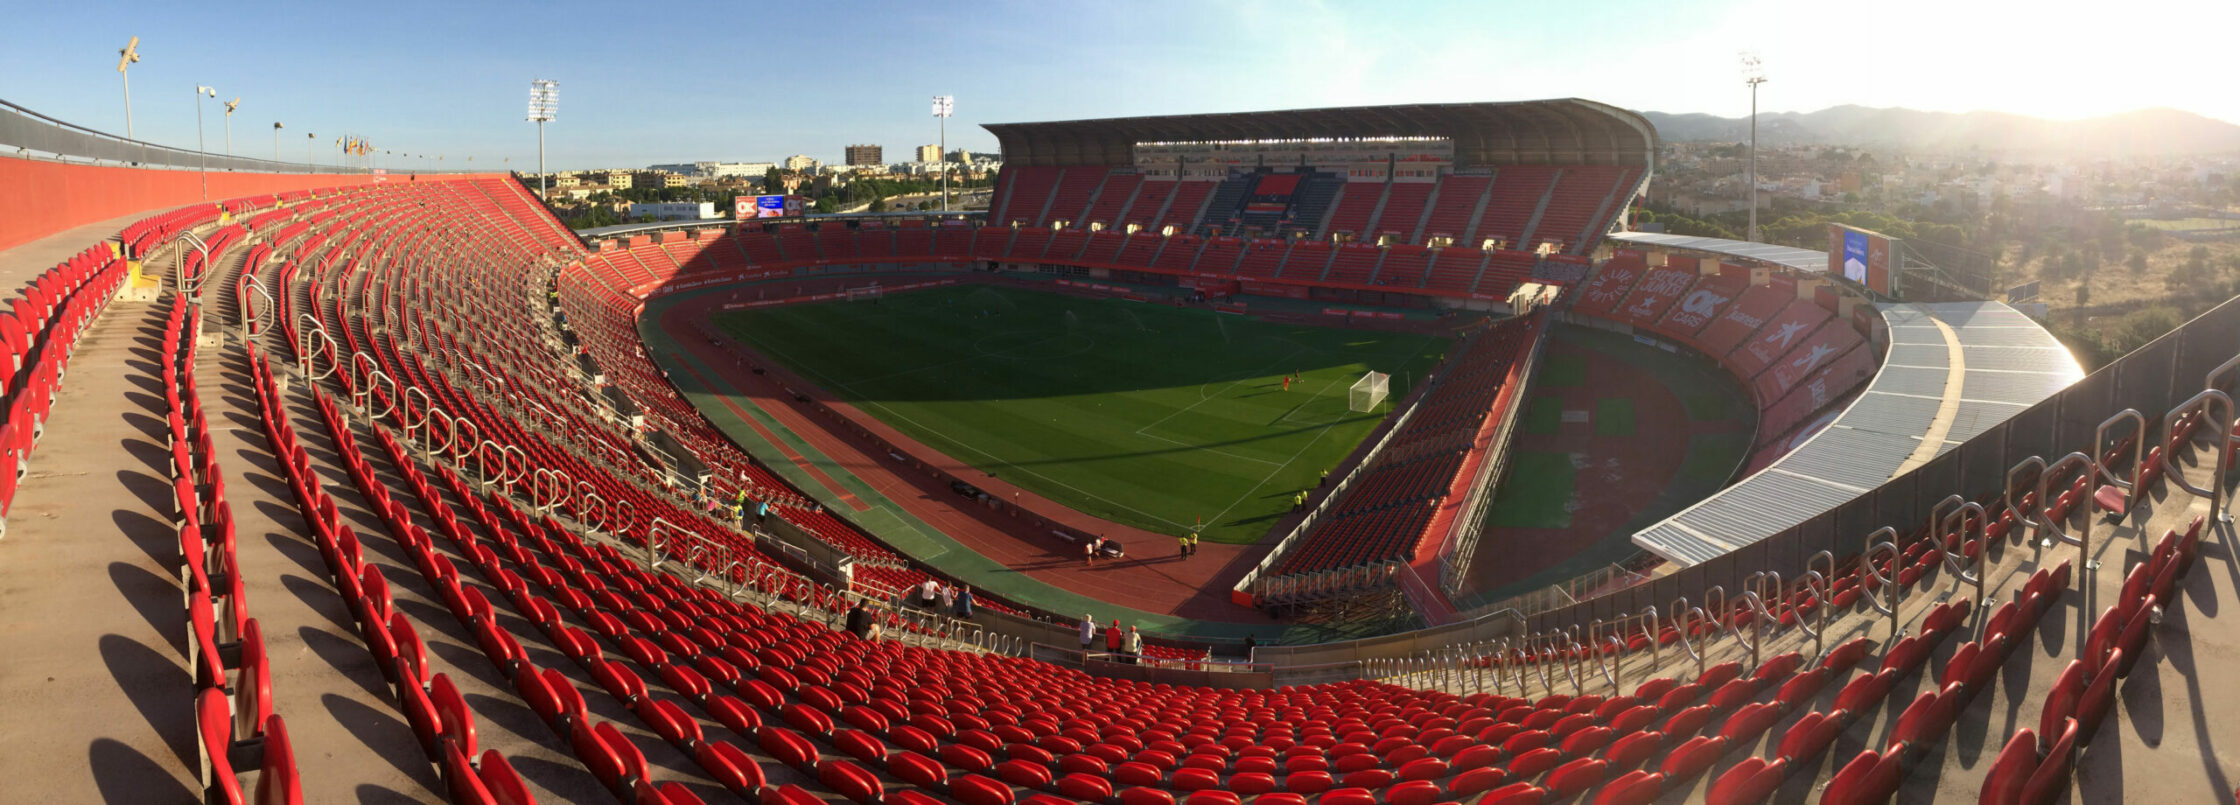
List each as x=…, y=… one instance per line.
x=1421, y=476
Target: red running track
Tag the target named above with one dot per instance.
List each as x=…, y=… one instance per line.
x=1153, y=579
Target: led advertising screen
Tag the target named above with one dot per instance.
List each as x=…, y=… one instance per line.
x=766, y=206
x=1863, y=257
x=1855, y=256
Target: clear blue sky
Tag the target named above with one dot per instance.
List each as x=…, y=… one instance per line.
x=679, y=81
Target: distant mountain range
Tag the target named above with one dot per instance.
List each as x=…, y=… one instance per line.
x=2147, y=132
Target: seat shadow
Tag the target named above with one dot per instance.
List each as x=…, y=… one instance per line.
x=156, y=538
x=159, y=687
x=348, y=657
x=125, y=774
x=153, y=596
x=387, y=735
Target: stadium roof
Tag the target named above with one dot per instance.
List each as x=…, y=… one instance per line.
x=1805, y=260
x=1917, y=408
x=1567, y=131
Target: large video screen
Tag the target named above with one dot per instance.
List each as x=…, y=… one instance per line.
x=1855, y=256
x=1863, y=257
x=766, y=206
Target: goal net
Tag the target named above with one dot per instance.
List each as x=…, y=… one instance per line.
x=862, y=293
x=1368, y=392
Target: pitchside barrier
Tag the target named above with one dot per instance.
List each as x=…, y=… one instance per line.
x=1460, y=546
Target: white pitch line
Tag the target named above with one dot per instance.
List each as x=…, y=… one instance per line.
x=1212, y=450
x=1325, y=431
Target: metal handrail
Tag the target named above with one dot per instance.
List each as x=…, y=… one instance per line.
x=2083, y=539
x=2221, y=427
x=249, y=318
x=304, y=352
x=1884, y=595
x=192, y=288
x=2129, y=486
x=1957, y=561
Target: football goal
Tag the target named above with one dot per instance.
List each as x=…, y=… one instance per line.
x=862, y=293
x=1368, y=392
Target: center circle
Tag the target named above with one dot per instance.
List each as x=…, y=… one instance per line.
x=1033, y=346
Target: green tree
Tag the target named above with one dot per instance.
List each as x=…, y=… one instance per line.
x=773, y=181
x=2084, y=298
x=2137, y=262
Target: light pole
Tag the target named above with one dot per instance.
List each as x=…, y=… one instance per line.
x=943, y=107
x=310, y=150
x=276, y=141
x=202, y=151
x=230, y=106
x=130, y=54
x=1753, y=73
x=544, y=105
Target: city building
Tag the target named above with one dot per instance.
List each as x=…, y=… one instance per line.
x=866, y=155
x=674, y=210
x=659, y=179
x=929, y=153
x=615, y=180
x=800, y=162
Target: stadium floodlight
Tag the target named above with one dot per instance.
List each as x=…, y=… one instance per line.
x=544, y=106
x=276, y=127
x=1368, y=392
x=129, y=55
x=1753, y=74
x=310, y=150
x=202, y=150
x=943, y=107
x=230, y=106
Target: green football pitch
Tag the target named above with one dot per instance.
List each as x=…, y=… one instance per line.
x=1139, y=413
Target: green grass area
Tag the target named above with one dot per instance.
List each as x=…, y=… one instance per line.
x=1543, y=417
x=1563, y=371
x=1707, y=407
x=1143, y=414
x=1613, y=417
x=1536, y=493
x=1711, y=460
x=2188, y=224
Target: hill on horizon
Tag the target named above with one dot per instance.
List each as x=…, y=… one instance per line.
x=2145, y=132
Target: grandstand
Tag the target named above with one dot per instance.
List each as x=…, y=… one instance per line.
x=466, y=553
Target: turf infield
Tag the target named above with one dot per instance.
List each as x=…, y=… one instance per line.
x=1143, y=414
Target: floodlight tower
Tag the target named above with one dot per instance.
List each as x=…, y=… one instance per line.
x=230, y=106
x=1753, y=74
x=544, y=105
x=943, y=107
x=202, y=151
x=130, y=54
x=276, y=141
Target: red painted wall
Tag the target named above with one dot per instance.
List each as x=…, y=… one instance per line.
x=38, y=198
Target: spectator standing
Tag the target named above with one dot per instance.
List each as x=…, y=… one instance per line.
x=964, y=603
x=1135, y=646
x=929, y=593
x=1088, y=633
x=949, y=597
x=1193, y=545
x=1113, y=639
x=859, y=620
